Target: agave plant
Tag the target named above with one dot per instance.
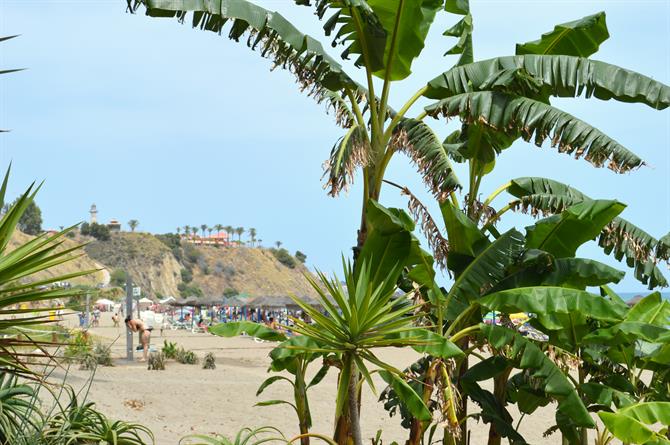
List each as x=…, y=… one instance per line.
x=246, y=436
x=19, y=291
x=18, y=411
x=76, y=423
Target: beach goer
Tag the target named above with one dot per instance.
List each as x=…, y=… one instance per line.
x=145, y=334
x=272, y=324
x=115, y=320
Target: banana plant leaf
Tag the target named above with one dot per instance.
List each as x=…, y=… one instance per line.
x=620, y=238
x=524, y=354
x=631, y=424
x=410, y=399
x=536, y=120
x=560, y=76
x=431, y=343
x=487, y=268
x=580, y=38
x=492, y=411
x=462, y=30
x=236, y=328
x=406, y=24
x=561, y=235
x=274, y=36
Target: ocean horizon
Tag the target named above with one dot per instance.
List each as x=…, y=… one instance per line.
x=628, y=295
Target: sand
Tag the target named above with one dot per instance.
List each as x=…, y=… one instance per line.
x=186, y=399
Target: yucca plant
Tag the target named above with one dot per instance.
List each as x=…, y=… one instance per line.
x=79, y=424
x=18, y=289
x=360, y=318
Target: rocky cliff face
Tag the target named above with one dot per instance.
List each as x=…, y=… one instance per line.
x=149, y=262
x=252, y=271
x=156, y=267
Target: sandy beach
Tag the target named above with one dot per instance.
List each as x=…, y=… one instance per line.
x=186, y=399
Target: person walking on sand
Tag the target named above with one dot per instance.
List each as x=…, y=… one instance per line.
x=115, y=320
x=145, y=334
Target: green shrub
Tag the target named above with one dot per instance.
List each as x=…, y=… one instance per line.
x=79, y=346
x=186, y=357
x=169, y=349
x=230, y=292
x=209, y=362
x=300, y=256
x=118, y=278
x=186, y=275
x=156, y=361
x=103, y=355
x=284, y=257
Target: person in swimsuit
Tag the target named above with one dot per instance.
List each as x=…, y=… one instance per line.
x=145, y=334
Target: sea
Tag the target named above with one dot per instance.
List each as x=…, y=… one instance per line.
x=628, y=295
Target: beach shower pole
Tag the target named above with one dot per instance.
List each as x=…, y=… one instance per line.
x=129, y=312
x=88, y=310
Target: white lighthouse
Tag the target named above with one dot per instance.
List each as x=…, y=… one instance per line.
x=94, y=214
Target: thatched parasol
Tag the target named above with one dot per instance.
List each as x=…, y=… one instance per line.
x=271, y=301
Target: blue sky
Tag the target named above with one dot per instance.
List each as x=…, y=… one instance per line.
x=156, y=121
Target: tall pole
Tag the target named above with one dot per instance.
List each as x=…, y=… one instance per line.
x=88, y=310
x=129, y=312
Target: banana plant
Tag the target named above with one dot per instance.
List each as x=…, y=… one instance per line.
x=498, y=100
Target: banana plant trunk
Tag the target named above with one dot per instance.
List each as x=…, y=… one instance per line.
x=500, y=394
x=418, y=428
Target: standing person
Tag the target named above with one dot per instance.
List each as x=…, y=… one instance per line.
x=115, y=320
x=145, y=334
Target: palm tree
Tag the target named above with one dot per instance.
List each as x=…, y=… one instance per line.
x=209, y=231
x=133, y=223
x=187, y=231
x=252, y=234
x=229, y=231
x=218, y=228
x=203, y=228
x=278, y=244
x=178, y=230
x=239, y=231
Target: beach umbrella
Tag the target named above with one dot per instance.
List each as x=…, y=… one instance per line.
x=271, y=302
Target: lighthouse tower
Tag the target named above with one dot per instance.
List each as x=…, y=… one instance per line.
x=94, y=214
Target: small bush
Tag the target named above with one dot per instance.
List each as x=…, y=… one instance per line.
x=186, y=275
x=169, y=349
x=230, y=292
x=300, y=256
x=118, y=278
x=284, y=257
x=209, y=361
x=79, y=346
x=156, y=362
x=186, y=357
x=103, y=355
